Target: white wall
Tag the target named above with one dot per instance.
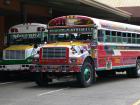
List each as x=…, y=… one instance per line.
x=121, y=3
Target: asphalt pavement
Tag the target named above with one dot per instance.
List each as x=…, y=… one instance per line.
x=118, y=90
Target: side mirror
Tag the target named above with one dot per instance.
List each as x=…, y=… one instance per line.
x=40, y=29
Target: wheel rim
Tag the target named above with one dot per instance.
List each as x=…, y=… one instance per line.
x=87, y=74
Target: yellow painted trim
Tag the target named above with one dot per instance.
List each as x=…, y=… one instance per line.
x=19, y=47
x=66, y=44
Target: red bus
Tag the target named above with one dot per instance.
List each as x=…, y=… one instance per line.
x=85, y=47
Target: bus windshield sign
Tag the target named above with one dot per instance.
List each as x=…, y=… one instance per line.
x=24, y=38
x=71, y=30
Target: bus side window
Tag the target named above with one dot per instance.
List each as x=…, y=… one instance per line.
x=100, y=35
x=45, y=39
x=124, y=38
x=133, y=38
x=119, y=37
x=107, y=34
x=138, y=38
x=114, y=37
x=129, y=37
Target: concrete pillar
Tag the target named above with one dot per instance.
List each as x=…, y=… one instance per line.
x=2, y=31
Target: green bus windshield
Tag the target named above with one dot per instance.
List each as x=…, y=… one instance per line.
x=27, y=38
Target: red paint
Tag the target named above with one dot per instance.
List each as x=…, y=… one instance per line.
x=125, y=58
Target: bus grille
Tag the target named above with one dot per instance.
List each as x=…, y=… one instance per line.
x=15, y=54
x=54, y=53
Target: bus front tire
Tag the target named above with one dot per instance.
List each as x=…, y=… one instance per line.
x=87, y=76
x=41, y=79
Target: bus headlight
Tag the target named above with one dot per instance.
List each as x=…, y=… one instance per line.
x=35, y=60
x=73, y=60
x=76, y=60
x=29, y=60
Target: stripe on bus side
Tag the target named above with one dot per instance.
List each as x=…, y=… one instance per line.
x=117, y=67
x=119, y=44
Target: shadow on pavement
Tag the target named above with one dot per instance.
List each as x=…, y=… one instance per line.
x=15, y=76
x=75, y=84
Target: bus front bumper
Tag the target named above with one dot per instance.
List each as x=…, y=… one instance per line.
x=20, y=67
x=56, y=68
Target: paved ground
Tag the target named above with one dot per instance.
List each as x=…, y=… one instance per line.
x=118, y=90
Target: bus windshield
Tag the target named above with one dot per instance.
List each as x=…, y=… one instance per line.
x=72, y=27
x=70, y=37
x=26, y=38
x=70, y=33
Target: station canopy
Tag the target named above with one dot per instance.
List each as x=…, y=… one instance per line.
x=86, y=7
x=90, y=8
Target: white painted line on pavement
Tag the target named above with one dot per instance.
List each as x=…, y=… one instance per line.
x=4, y=83
x=137, y=103
x=54, y=91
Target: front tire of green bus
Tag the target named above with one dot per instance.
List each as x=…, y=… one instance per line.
x=87, y=75
x=41, y=79
x=134, y=73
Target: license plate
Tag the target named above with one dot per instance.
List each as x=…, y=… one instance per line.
x=53, y=68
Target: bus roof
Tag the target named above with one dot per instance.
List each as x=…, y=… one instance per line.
x=111, y=25
x=28, y=27
x=78, y=20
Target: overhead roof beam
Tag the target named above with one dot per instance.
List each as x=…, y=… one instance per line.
x=104, y=7
x=84, y=7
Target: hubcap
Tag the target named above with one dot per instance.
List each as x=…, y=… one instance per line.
x=87, y=73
